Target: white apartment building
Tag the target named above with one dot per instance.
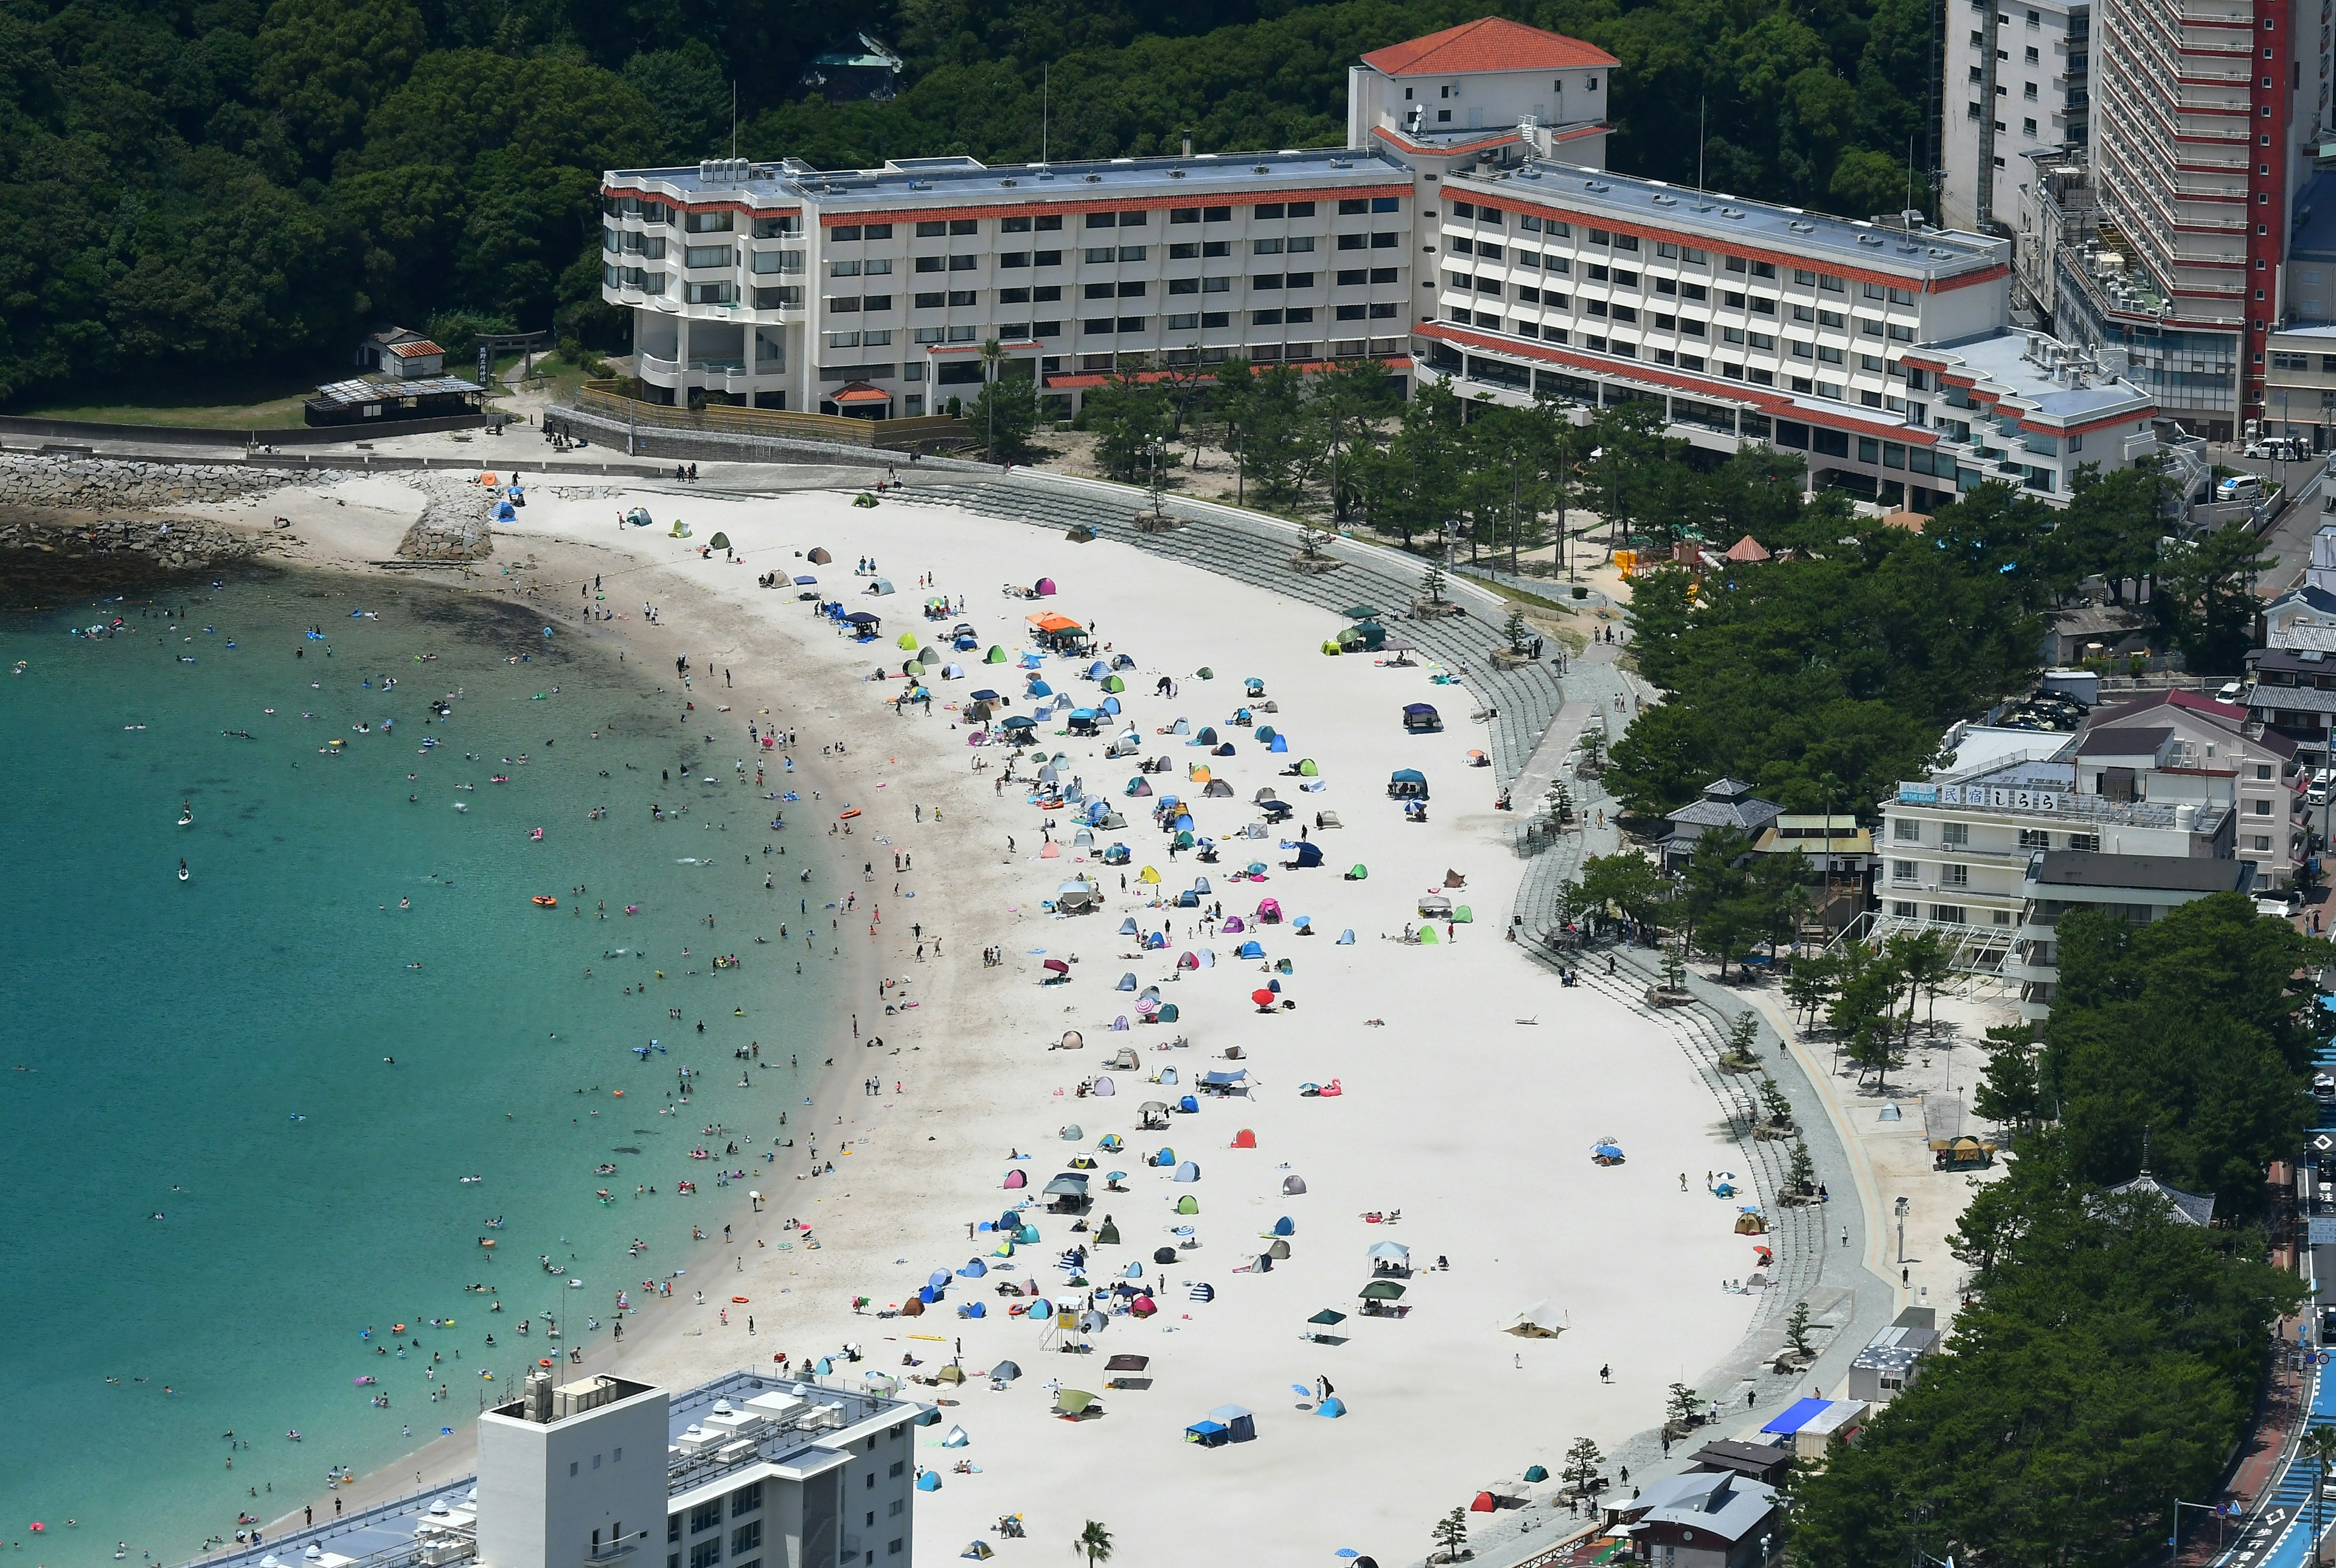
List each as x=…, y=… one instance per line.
x=1759, y=323
x=1956, y=848
x=2039, y=81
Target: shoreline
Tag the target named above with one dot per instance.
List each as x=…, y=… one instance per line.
x=1417, y=1125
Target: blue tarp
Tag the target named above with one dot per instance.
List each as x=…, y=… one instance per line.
x=1798, y=1415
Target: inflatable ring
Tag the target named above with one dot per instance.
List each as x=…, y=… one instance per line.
x=739, y=1300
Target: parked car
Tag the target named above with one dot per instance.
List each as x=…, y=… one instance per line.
x=2231, y=691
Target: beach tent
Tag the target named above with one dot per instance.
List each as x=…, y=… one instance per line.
x=1207, y=1433
x=1189, y=1107
x=1103, y=1087
x=1535, y=1474
x=1224, y=750
x=1332, y=1407
x=1249, y=951
x=881, y=585
x=1126, y=982
x=1219, y=789
x=1112, y=682
x=1346, y=936
x=1428, y=939
x=908, y=639
x=1004, y=1372
x=1045, y=589
x=1208, y=736
x=929, y=1481
x=1309, y=856
x=1190, y=1171
x=928, y=656
x=1016, y=1180
x=1168, y=1014
x=1241, y=1426
x=995, y=655
x=1166, y=1156
x=1538, y=1321
x=978, y=1550
x=1406, y=783
x=1188, y=1204
x=1292, y=1186
x=1245, y=1139
x=952, y=672
x=819, y=556
x=1278, y=1249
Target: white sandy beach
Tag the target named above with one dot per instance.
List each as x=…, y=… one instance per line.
x=1475, y=1124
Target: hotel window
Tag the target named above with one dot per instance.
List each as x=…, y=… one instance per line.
x=1216, y=285
x=1265, y=319
x=1901, y=870
x=1101, y=253
x=1046, y=258
x=1954, y=876
x=1266, y=247
x=1184, y=215
x=1014, y=258
x=931, y=300
x=1014, y=226
x=959, y=297
x=1184, y=250
x=927, y=230
x=1947, y=915
x=965, y=225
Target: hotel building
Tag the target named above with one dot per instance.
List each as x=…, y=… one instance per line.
x=1468, y=233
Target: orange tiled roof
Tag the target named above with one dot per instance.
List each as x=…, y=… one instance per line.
x=1490, y=44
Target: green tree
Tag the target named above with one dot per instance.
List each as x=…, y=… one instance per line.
x=1517, y=634
x=1682, y=1406
x=1129, y=417
x=1628, y=883
x=1007, y=413
x=1797, y=1328
x=1801, y=1174
x=1095, y=1542
x=1431, y=582
x=1812, y=982
x=2008, y=1092
x=1774, y=1107
x=2206, y=594
x=1450, y=1535
x=1581, y=1463
x=2195, y=1034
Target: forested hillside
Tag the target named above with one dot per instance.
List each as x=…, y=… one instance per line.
x=197, y=188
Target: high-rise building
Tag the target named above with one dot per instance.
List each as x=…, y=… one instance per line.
x=2039, y=81
x=2206, y=121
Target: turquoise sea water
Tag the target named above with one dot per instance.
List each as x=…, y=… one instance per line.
x=214, y=1181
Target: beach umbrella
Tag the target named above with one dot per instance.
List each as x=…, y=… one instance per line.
x=1264, y=1000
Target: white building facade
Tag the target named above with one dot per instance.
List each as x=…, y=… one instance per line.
x=1468, y=234
x=2040, y=84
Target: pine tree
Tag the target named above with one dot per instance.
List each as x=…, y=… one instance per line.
x=1797, y=1329
x=1451, y=1534
x=1773, y=1105
x=1683, y=1404
x=1519, y=634
x=1581, y=1462
x=1801, y=1177
x=1431, y=582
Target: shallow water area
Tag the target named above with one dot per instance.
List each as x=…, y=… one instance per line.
x=258, y=1111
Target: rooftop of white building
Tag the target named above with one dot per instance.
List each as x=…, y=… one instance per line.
x=385, y=1534
x=2031, y=372
x=1733, y=220
x=924, y=181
